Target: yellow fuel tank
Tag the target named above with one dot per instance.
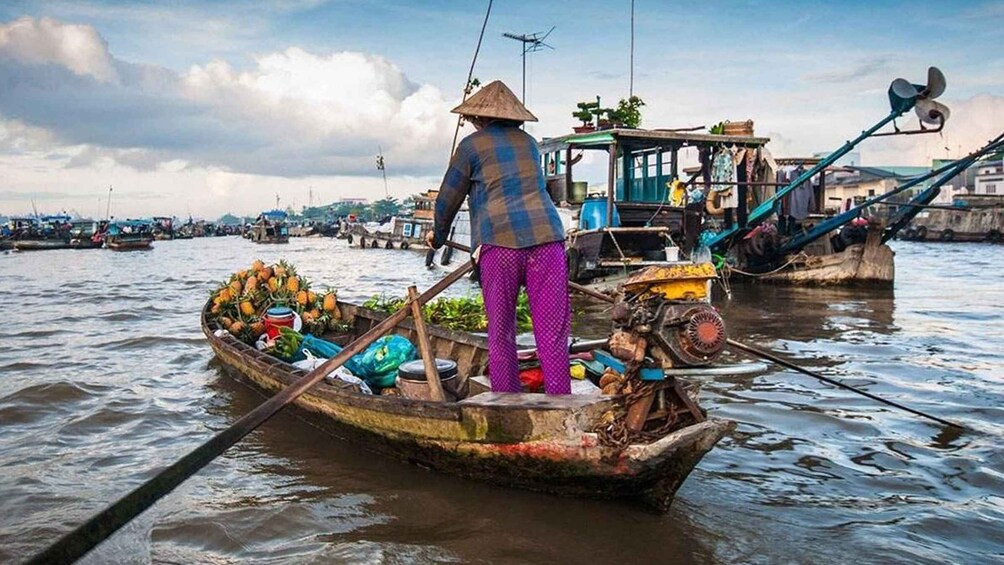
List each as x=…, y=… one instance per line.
x=673, y=282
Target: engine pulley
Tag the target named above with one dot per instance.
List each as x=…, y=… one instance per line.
x=692, y=334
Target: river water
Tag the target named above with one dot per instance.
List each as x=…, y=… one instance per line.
x=105, y=378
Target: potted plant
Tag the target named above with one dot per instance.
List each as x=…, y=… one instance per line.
x=628, y=111
x=585, y=114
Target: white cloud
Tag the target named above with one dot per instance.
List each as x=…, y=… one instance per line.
x=78, y=48
x=292, y=113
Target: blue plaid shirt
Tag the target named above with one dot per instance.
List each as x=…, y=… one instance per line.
x=498, y=168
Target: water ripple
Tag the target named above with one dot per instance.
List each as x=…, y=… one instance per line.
x=113, y=381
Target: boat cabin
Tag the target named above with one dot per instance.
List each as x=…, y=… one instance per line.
x=640, y=221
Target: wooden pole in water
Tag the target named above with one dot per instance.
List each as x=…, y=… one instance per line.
x=836, y=383
x=77, y=543
x=428, y=359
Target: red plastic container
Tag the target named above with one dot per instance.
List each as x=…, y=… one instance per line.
x=276, y=318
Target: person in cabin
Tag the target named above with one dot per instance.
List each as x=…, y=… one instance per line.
x=517, y=236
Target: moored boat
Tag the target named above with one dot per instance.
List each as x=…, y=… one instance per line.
x=38, y=233
x=87, y=234
x=531, y=441
x=870, y=263
x=128, y=235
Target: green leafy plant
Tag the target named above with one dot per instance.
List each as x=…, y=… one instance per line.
x=628, y=111
x=586, y=112
x=461, y=313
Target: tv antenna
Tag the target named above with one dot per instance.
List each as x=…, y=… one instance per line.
x=531, y=43
x=382, y=169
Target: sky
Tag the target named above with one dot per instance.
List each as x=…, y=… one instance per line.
x=206, y=107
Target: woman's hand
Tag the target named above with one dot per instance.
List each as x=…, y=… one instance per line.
x=430, y=236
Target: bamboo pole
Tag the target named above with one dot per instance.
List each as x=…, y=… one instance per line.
x=428, y=359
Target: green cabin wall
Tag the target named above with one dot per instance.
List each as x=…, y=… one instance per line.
x=644, y=185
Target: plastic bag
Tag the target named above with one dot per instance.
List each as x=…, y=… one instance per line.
x=378, y=364
x=320, y=347
x=343, y=374
x=310, y=362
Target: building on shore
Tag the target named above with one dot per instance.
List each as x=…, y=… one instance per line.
x=850, y=185
x=989, y=179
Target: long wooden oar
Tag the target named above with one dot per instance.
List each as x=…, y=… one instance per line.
x=75, y=544
x=788, y=364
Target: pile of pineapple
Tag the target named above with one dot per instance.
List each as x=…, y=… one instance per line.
x=240, y=303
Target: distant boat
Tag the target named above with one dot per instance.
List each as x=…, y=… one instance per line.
x=163, y=228
x=129, y=235
x=87, y=234
x=36, y=234
x=270, y=227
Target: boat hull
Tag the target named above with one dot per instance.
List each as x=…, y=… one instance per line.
x=864, y=264
x=40, y=244
x=544, y=445
x=116, y=244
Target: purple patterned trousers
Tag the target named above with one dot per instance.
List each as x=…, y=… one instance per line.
x=544, y=272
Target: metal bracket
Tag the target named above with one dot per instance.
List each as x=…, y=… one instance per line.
x=922, y=130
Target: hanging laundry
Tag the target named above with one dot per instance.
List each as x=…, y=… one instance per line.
x=723, y=171
x=803, y=198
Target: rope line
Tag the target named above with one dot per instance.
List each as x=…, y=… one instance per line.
x=470, y=74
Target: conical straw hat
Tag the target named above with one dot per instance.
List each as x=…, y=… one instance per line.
x=495, y=101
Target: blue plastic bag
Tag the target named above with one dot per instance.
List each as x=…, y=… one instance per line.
x=377, y=365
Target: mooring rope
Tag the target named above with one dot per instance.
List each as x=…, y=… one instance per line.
x=470, y=75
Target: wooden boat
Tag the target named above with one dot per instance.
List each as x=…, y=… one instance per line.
x=529, y=441
x=870, y=263
x=128, y=243
x=401, y=233
x=39, y=233
x=270, y=227
x=631, y=226
x=129, y=235
x=87, y=234
x=978, y=218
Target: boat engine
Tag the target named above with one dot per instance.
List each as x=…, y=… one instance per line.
x=665, y=318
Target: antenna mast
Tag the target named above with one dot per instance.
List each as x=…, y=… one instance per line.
x=531, y=43
x=631, y=81
x=108, y=206
x=382, y=169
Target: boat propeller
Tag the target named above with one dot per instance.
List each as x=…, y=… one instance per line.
x=904, y=95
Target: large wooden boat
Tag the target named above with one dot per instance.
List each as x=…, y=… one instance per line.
x=129, y=235
x=38, y=233
x=869, y=263
x=633, y=223
x=531, y=441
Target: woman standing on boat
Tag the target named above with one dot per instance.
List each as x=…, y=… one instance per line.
x=519, y=236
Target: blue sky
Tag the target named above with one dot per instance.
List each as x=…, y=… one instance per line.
x=211, y=102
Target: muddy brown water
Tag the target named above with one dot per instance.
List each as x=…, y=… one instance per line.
x=105, y=378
